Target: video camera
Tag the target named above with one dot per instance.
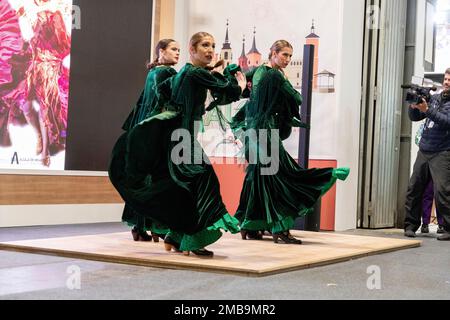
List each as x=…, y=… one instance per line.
x=416, y=93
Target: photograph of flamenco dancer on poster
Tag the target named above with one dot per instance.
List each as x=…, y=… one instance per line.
x=34, y=82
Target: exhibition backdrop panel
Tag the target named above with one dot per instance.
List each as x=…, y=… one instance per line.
x=244, y=32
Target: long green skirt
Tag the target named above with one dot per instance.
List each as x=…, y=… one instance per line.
x=272, y=202
x=172, y=197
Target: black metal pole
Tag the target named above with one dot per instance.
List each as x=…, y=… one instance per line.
x=305, y=111
x=311, y=221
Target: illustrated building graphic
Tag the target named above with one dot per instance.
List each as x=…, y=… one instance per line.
x=243, y=60
x=253, y=56
x=314, y=39
x=325, y=81
x=226, y=54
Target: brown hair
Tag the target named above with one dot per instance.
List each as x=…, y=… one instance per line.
x=162, y=45
x=278, y=45
x=196, y=39
x=447, y=71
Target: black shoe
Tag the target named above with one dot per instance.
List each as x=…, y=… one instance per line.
x=135, y=234
x=203, y=252
x=157, y=236
x=424, y=229
x=410, y=234
x=444, y=237
x=140, y=235
x=170, y=244
x=286, y=237
x=251, y=235
x=440, y=229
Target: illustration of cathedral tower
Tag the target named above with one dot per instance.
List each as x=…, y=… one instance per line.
x=314, y=39
x=243, y=61
x=253, y=56
x=226, y=54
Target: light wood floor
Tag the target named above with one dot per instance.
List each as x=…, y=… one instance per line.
x=231, y=254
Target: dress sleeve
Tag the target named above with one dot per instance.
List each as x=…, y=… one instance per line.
x=248, y=89
x=288, y=113
x=230, y=90
x=238, y=120
x=131, y=119
x=163, y=88
x=293, y=98
x=164, y=74
x=62, y=39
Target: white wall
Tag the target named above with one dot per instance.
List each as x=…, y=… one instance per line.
x=34, y=215
x=350, y=54
x=181, y=33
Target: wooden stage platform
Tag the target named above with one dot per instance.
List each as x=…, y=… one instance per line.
x=231, y=254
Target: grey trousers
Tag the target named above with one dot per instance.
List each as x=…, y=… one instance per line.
x=438, y=166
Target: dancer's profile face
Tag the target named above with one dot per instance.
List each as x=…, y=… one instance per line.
x=282, y=58
x=171, y=54
x=203, y=53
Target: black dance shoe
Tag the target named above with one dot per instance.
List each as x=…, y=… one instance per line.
x=140, y=235
x=200, y=252
x=157, y=236
x=170, y=244
x=286, y=237
x=251, y=235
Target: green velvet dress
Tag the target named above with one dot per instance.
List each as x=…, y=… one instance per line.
x=181, y=197
x=273, y=200
x=146, y=106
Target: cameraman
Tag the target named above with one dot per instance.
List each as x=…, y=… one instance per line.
x=433, y=158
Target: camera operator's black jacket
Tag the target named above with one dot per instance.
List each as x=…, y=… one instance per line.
x=436, y=132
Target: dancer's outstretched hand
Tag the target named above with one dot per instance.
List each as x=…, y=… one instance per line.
x=241, y=80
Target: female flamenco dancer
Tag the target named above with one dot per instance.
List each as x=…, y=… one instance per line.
x=177, y=187
x=167, y=53
x=275, y=193
x=48, y=80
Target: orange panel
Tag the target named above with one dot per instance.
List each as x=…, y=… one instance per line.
x=231, y=177
x=328, y=204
